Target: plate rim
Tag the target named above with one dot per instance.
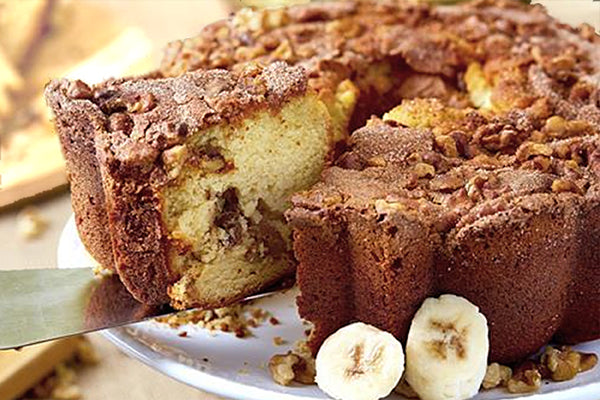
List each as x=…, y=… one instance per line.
x=227, y=388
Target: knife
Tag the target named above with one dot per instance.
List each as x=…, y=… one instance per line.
x=37, y=305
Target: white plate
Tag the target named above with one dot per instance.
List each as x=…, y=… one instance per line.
x=236, y=368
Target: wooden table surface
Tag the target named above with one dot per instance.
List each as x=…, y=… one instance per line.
x=117, y=375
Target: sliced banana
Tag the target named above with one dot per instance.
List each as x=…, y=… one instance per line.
x=447, y=349
x=359, y=362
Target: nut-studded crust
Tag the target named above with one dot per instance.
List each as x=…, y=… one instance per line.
x=113, y=135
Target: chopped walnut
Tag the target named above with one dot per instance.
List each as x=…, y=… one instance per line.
x=276, y=18
x=283, y=52
x=447, y=145
x=564, y=185
x=577, y=127
x=249, y=19
x=290, y=367
x=587, y=362
x=526, y=379
x=30, y=223
x=496, y=375
x=530, y=149
x=424, y=170
x=236, y=319
x=279, y=341
x=572, y=165
x=174, y=159
x=474, y=186
x=376, y=161
x=250, y=52
x=542, y=163
x=562, y=151
x=281, y=367
x=145, y=103
x=348, y=28
x=563, y=364
x=446, y=182
x=563, y=62
x=306, y=375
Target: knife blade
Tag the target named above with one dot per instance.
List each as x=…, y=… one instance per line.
x=38, y=305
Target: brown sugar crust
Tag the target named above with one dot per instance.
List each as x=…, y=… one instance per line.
x=113, y=135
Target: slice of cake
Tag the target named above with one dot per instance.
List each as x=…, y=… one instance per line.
x=181, y=183
x=401, y=218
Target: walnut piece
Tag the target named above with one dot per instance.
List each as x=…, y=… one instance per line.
x=565, y=185
x=530, y=149
x=474, y=187
x=526, y=379
x=496, y=375
x=281, y=367
x=564, y=363
x=447, y=145
x=424, y=170
x=236, y=319
x=291, y=367
x=279, y=341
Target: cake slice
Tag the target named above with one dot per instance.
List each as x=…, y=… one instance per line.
x=180, y=183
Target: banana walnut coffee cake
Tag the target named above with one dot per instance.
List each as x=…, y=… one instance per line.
x=457, y=148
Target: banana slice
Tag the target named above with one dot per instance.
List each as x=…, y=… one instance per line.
x=359, y=362
x=447, y=349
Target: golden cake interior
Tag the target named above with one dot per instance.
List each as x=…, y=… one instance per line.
x=224, y=210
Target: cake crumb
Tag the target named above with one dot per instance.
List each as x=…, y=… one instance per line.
x=237, y=319
x=183, y=334
x=279, y=341
x=30, y=223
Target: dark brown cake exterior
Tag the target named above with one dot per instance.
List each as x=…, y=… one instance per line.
x=397, y=221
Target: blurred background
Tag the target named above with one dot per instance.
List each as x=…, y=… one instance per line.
x=91, y=40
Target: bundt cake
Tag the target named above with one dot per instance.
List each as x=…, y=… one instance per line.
x=488, y=191
x=180, y=183
x=482, y=182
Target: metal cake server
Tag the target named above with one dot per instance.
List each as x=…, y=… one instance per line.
x=38, y=305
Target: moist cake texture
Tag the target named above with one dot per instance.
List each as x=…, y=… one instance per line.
x=180, y=183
